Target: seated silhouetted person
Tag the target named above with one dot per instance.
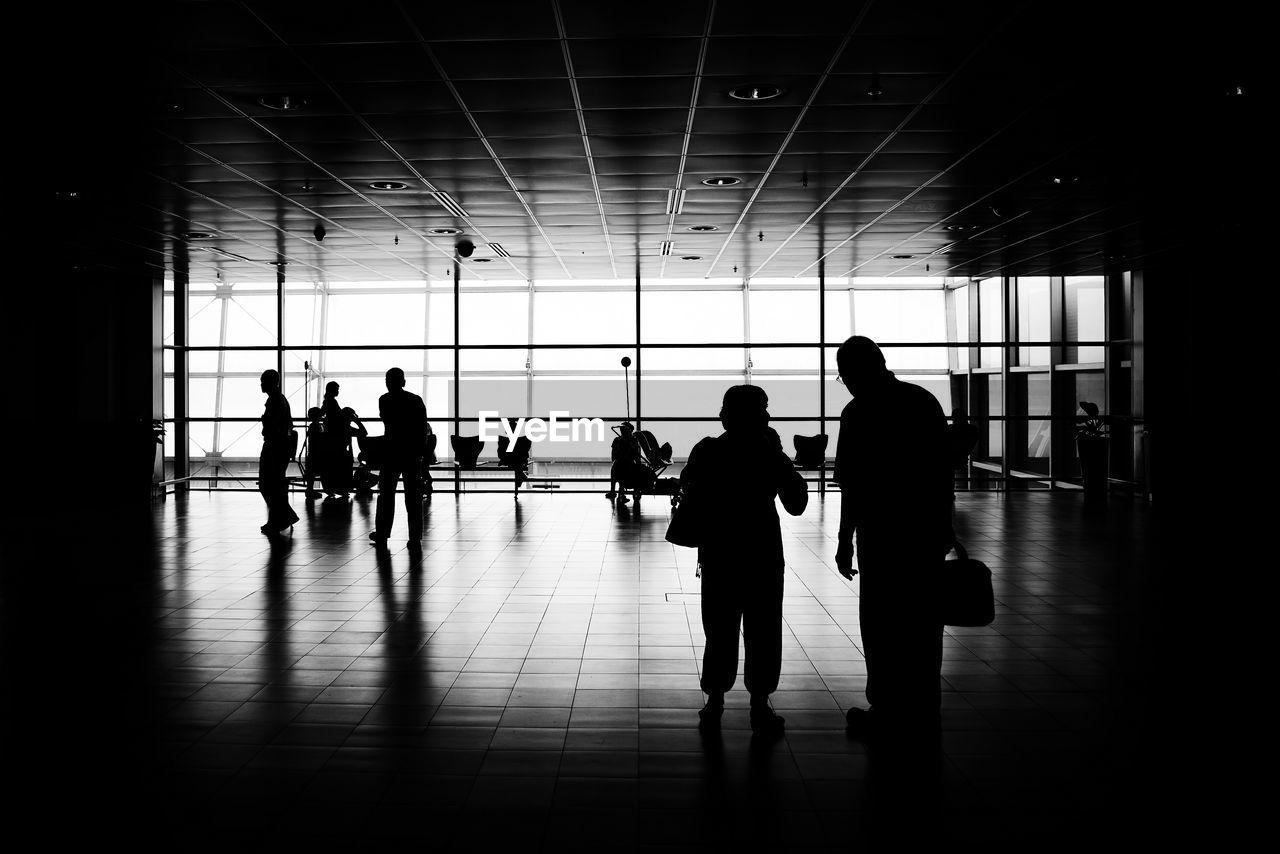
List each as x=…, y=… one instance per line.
x=404, y=419
x=894, y=468
x=627, y=470
x=735, y=477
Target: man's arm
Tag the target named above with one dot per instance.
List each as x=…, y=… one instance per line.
x=848, y=502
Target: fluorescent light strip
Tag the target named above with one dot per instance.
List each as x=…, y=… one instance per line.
x=675, y=201
x=446, y=201
x=667, y=246
x=942, y=249
x=499, y=251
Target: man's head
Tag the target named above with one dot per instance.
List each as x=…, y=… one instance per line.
x=270, y=381
x=744, y=406
x=395, y=379
x=331, y=389
x=314, y=413
x=626, y=428
x=860, y=363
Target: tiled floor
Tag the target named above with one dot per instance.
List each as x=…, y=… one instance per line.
x=532, y=681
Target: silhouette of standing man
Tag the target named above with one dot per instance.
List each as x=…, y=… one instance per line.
x=404, y=420
x=896, y=484
x=277, y=425
x=736, y=477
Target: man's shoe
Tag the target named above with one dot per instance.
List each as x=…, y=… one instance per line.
x=378, y=538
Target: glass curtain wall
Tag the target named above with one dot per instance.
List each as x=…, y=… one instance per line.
x=553, y=348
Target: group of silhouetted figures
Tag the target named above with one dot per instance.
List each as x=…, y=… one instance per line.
x=894, y=465
x=402, y=454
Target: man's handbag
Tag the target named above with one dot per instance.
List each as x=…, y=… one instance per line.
x=688, y=524
x=965, y=597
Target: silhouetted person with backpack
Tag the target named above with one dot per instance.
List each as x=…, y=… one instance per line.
x=277, y=449
x=404, y=421
x=735, y=477
x=894, y=468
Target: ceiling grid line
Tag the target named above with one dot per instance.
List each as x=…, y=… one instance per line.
x=786, y=141
x=480, y=136
x=858, y=170
x=586, y=139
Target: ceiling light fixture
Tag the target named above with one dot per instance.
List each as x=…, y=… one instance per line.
x=703, y=228
x=902, y=257
x=388, y=185
x=690, y=257
x=755, y=92
x=941, y=250
x=446, y=201
x=482, y=260
x=721, y=181
x=675, y=201
x=499, y=251
x=444, y=231
x=667, y=246
x=958, y=227
x=282, y=102
x=195, y=235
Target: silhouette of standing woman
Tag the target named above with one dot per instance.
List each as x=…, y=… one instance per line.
x=404, y=420
x=894, y=464
x=277, y=424
x=737, y=476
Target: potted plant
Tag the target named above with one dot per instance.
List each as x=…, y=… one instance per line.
x=1093, y=447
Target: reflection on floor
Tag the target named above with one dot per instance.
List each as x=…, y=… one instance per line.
x=531, y=680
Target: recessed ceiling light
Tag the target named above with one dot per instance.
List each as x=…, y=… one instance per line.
x=703, y=228
x=195, y=235
x=282, y=102
x=958, y=227
x=902, y=257
x=482, y=260
x=755, y=92
x=721, y=181
x=1062, y=180
x=278, y=263
x=690, y=257
x=388, y=185
x=444, y=231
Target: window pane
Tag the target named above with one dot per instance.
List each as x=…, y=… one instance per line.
x=990, y=321
x=1033, y=319
x=602, y=359
x=495, y=318
x=903, y=316
x=783, y=317
x=1084, y=317
x=676, y=317
x=584, y=318
x=961, y=298
x=377, y=319
x=694, y=358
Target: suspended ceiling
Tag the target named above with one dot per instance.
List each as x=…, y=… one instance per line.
x=909, y=139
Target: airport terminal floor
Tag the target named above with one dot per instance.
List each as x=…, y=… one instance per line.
x=530, y=682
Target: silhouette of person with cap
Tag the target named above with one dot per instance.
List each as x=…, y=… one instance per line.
x=404, y=420
x=741, y=559
x=277, y=429
x=893, y=465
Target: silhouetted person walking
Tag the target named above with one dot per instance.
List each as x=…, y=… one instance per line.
x=736, y=476
x=893, y=465
x=277, y=446
x=404, y=420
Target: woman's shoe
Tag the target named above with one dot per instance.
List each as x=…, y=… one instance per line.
x=710, y=714
x=765, y=721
